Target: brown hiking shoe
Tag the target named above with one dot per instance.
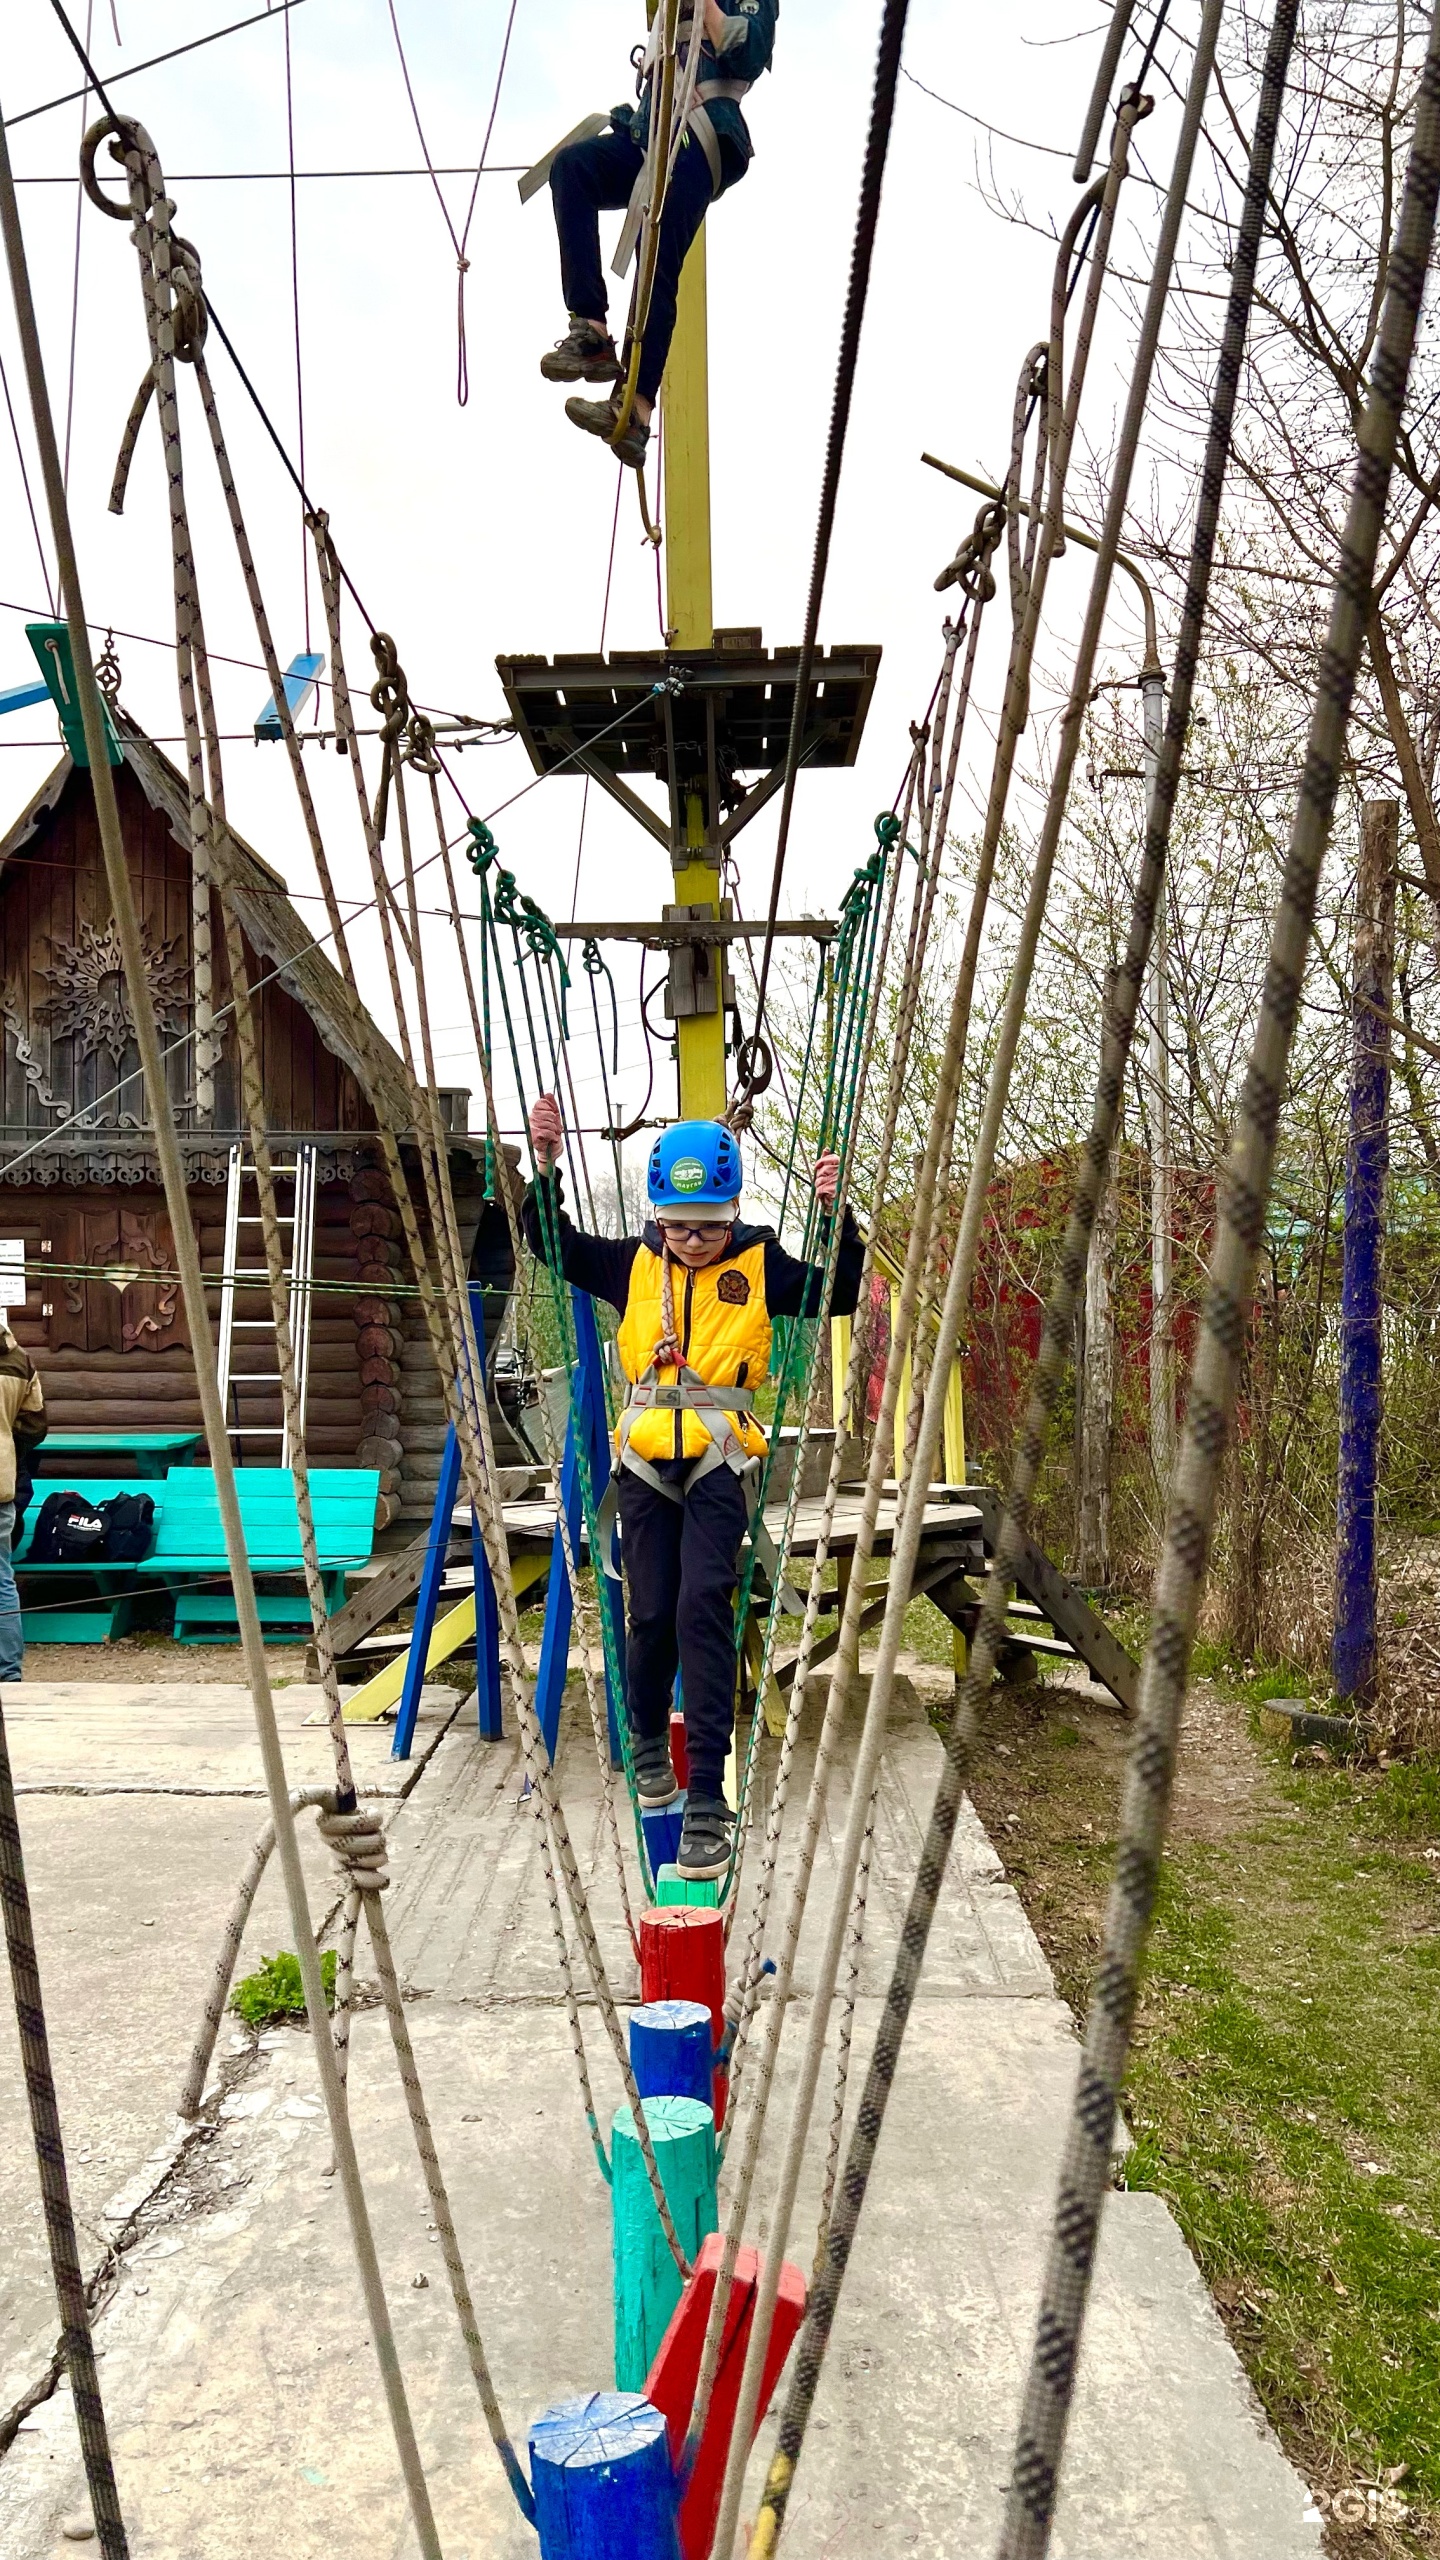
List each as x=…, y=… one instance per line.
x=581, y=357
x=598, y=418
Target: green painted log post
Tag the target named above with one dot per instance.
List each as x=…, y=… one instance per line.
x=647, y=2280
x=671, y=1887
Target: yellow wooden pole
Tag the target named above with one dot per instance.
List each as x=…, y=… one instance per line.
x=685, y=400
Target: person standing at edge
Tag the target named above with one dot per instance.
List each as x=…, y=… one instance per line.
x=599, y=176
x=23, y=1425
x=696, y=1294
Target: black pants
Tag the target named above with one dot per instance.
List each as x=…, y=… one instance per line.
x=598, y=177
x=681, y=1567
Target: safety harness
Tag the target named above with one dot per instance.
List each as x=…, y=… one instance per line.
x=713, y=1408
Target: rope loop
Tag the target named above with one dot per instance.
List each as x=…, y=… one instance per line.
x=754, y=1069
x=128, y=140
x=390, y=694
x=356, y=1841
x=483, y=848
x=970, y=568
x=420, y=748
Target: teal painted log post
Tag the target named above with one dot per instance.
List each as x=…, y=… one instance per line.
x=600, y=2467
x=647, y=2280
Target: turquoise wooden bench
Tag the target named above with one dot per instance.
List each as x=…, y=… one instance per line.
x=190, y=1545
x=189, y=1551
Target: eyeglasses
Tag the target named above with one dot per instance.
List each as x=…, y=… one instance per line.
x=691, y=1235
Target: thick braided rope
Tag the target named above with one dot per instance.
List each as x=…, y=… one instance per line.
x=842, y=1675
x=471, y=1418
x=926, y=1208
x=906, y=1545
x=853, y=1391
x=866, y=992
x=356, y=1836
x=76, y=2346
x=854, y=1948
x=579, y=1597
x=357, y=1841
x=1225, y=1318
x=187, y=2104
x=188, y=1259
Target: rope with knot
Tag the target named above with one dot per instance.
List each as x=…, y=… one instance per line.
x=356, y=1841
x=970, y=569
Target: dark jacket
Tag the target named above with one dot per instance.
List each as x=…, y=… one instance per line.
x=750, y=30
x=600, y=1265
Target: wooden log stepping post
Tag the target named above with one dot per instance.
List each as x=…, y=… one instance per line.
x=679, y=1748
x=673, y=2376
x=682, y=1957
x=661, y=1824
x=671, y=1886
x=647, y=2280
x=672, y=2049
x=600, y=2469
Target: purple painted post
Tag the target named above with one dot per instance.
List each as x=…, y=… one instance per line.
x=1352, y=1653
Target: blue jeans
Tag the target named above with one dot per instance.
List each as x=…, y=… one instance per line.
x=12, y=1634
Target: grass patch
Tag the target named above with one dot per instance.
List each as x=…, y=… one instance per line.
x=274, y=1990
x=1284, y=2091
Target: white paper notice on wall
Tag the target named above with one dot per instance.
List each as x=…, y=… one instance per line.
x=12, y=1271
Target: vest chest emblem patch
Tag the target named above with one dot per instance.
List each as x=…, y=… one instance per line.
x=734, y=1288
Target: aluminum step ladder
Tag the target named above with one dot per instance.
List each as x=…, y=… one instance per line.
x=240, y=1226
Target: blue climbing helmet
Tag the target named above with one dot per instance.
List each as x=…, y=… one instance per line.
x=696, y=1165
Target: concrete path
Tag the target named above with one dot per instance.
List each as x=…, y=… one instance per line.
x=240, y=2381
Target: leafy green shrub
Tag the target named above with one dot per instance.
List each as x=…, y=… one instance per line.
x=275, y=1990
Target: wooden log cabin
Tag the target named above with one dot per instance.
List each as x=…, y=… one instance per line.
x=79, y=1180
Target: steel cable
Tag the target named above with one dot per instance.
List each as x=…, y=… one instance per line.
x=877, y=145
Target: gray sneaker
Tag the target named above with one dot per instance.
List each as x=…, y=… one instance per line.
x=705, y=1839
x=598, y=417
x=654, y=1769
x=581, y=357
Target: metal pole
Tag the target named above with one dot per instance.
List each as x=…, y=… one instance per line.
x=1352, y=1655
x=1162, y=1180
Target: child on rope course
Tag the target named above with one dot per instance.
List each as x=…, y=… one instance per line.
x=602, y=174
x=696, y=1294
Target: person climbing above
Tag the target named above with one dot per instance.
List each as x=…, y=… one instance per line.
x=696, y=1293
x=602, y=174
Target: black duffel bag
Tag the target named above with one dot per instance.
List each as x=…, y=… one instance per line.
x=68, y=1530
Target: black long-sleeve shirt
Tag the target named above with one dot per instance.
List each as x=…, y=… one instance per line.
x=601, y=1265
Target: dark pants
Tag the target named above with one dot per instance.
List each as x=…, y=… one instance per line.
x=681, y=1567
x=598, y=177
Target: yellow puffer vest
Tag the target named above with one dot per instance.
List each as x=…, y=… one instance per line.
x=724, y=1329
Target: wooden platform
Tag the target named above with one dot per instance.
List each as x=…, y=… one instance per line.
x=1050, y=1616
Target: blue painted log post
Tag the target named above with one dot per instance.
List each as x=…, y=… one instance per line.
x=1352, y=1654
x=647, y=2280
x=600, y=2468
x=589, y=1412
x=662, y=1825
x=671, y=2050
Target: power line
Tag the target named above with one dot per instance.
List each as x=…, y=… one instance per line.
x=128, y=70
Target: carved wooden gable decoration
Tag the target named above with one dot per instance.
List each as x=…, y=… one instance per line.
x=71, y=1101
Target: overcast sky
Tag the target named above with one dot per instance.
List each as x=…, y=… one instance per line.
x=487, y=529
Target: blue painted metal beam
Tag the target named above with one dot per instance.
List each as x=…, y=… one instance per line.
x=297, y=684
x=22, y=697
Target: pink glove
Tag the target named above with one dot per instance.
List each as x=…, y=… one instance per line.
x=547, y=1133
x=827, y=1180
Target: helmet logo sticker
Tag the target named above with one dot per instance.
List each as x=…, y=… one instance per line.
x=734, y=1288
x=687, y=1174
